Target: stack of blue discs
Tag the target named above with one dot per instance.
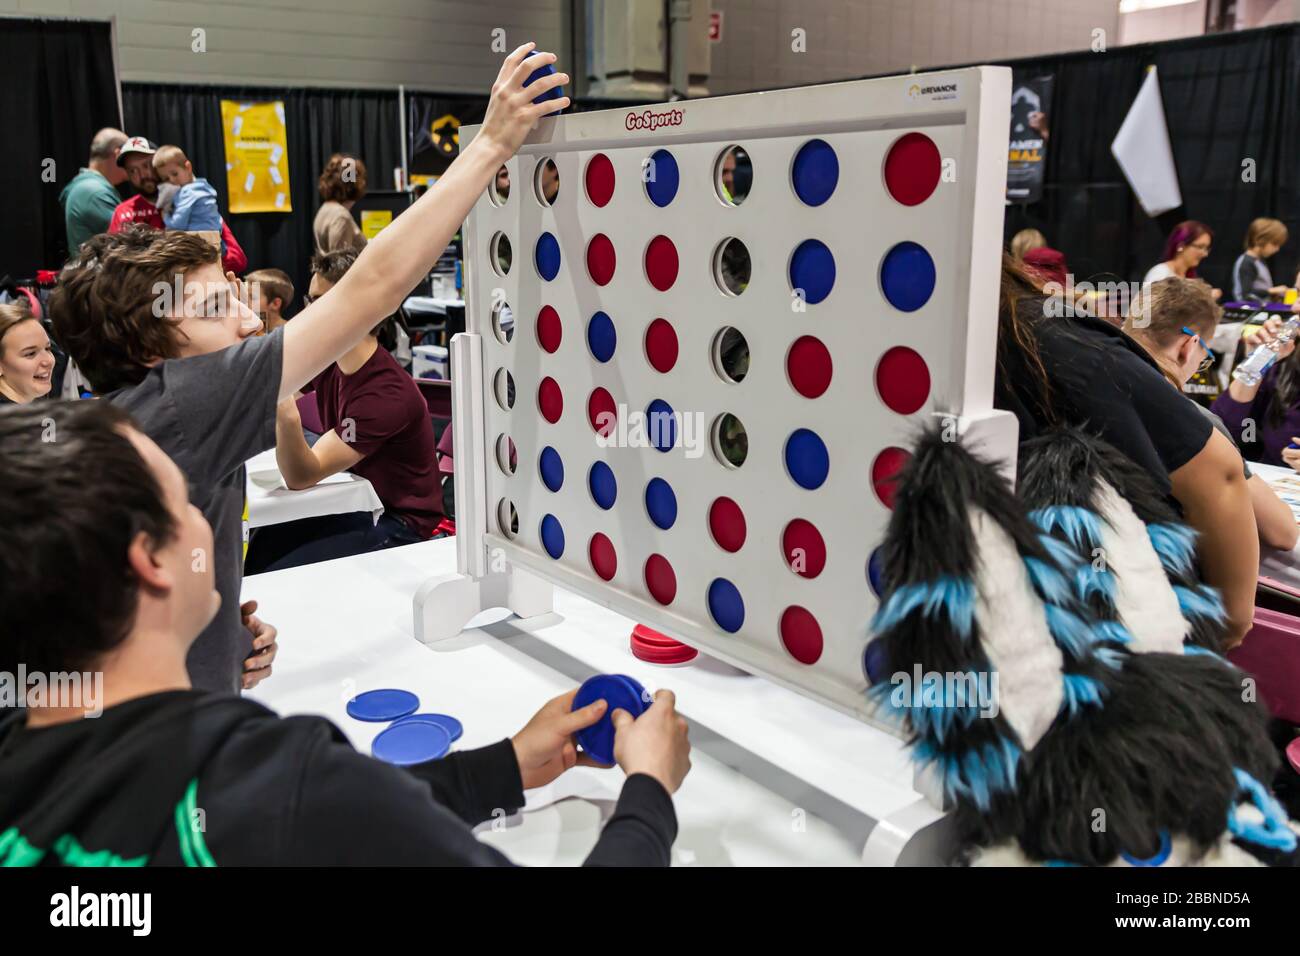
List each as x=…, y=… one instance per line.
x=413, y=738
x=620, y=693
x=537, y=74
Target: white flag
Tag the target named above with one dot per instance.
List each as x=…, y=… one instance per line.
x=1142, y=149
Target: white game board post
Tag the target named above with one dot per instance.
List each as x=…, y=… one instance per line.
x=485, y=579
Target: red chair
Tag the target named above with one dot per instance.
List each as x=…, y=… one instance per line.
x=1271, y=654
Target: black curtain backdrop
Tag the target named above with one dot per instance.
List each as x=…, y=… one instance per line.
x=318, y=121
x=57, y=89
x=1228, y=98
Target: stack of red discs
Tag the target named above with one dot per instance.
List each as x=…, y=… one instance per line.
x=655, y=648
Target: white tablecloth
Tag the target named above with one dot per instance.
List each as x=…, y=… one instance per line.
x=1283, y=566
x=270, y=502
x=776, y=778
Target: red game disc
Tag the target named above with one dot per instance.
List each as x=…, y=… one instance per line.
x=654, y=648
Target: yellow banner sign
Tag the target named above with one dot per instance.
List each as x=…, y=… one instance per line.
x=257, y=165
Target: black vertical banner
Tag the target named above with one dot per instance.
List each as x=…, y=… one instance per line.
x=1031, y=107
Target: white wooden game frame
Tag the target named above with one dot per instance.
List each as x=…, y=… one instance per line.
x=966, y=113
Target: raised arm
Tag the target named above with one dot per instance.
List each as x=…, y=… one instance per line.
x=394, y=261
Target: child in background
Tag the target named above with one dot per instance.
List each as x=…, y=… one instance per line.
x=1251, y=278
x=191, y=204
x=270, y=292
x=1172, y=320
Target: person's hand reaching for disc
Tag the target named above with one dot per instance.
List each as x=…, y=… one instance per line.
x=545, y=749
x=511, y=112
x=656, y=743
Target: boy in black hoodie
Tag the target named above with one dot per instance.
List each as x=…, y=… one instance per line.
x=115, y=760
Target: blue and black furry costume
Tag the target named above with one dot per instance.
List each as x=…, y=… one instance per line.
x=1117, y=735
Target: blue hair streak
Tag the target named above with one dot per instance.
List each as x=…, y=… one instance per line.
x=1274, y=830
x=1089, y=581
x=1080, y=691
x=935, y=703
x=1049, y=582
x=1081, y=526
x=975, y=774
x=1059, y=551
x=1175, y=544
x=1069, y=631
x=1197, y=601
x=954, y=596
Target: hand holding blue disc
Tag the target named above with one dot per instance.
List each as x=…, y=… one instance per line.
x=620, y=693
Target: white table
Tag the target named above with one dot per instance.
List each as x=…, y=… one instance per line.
x=430, y=305
x=777, y=778
x=270, y=502
x=1282, y=566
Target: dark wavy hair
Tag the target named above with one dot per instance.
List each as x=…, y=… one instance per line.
x=342, y=179
x=105, y=305
x=74, y=493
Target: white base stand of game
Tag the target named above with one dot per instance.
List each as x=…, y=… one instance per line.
x=700, y=338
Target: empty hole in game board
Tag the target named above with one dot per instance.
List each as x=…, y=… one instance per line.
x=734, y=175
x=730, y=440
x=731, y=266
x=507, y=518
x=546, y=181
x=499, y=191
x=503, y=387
x=507, y=457
x=731, y=355
x=503, y=322
x=500, y=254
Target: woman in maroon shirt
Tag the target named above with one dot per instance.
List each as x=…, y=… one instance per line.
x=377, y=426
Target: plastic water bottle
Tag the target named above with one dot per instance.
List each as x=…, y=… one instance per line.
x=1251, y=371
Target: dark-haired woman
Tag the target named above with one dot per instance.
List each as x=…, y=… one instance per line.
x=1077, y=370
x=1265, y=418
x=342, y=182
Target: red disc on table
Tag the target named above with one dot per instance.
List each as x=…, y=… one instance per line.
x=884, y=473
x=549, y=330
x=801, y=634
x=654, y=648
x=603, y=559
x=809, y=366
x=727, y=522
x=550, y=401
x=661, y=263
x=660, y=579
x=903, y=380
x=661, y=345
x=912, y=168
x=804, y=548
x=600, y=259
x=600, y=179
x=602, y=412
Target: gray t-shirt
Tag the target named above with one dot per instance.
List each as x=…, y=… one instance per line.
x=211, y=413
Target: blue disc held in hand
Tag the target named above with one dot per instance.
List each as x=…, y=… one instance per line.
x=537, y=74
x=619, y=692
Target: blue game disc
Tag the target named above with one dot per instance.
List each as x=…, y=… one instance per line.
x=411, y=742
x=907, y=276
x=661, y=177
x=807, y=459
x=876, y=572
x=552, y=468
x=661, y=423
x=547, y=256
x=383, y=705
x=661, y=503
x=815, y=172
x=552, y=536
x=873, y=661
x=620, y=693
x=601, y=337
x=726, y=605
x=812, y=270
x=536, y=75
x=445, y=721
x=603, y=485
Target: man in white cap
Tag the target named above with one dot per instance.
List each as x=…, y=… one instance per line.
x=136, y=158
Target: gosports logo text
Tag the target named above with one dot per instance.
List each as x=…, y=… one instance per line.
x=652, y=121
